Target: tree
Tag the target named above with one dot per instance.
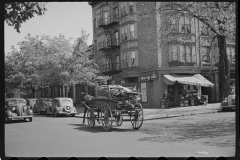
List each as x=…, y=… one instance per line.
x=15, y=13
x=53, y=62
x=219, y=17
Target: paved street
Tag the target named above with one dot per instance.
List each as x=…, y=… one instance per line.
x=203, y=135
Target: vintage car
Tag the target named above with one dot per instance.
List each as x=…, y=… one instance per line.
x=31, y=102
x=61, y=106
x=228, y=103
x=41, y=105
x=16, y=108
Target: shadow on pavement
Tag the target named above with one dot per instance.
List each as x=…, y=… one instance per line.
x=17, y=121
x=98, y=128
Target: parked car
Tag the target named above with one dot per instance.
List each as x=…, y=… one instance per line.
x=228, y=103
x=61, y=106
x=16, y=108
x=31, y=102
x=41, y=105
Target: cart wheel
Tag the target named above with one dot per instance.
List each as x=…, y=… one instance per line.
x=90, y=118
x=106, y=117
x=118, y=118
x=137, y=117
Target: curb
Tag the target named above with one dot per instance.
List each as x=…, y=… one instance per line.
x=170, y=115
x=179, y=115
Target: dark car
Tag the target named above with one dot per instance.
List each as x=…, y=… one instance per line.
x=31, y=102
x=41, y=105
x=61, y=106
x=16, y=108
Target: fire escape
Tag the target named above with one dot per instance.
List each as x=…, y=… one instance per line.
x=109, y=24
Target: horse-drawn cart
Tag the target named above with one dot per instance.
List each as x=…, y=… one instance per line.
x=112, y=102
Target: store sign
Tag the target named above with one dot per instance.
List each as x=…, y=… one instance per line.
x=147, y=78
x=144, y=92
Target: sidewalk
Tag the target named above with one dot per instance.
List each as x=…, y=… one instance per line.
x=155, y=113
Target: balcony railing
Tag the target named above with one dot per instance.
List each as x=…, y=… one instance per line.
x=110, y=67
x=113, y=19
x=107, y=45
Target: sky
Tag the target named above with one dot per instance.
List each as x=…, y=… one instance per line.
x=67, y=18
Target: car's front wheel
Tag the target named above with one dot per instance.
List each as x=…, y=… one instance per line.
x=73, y=115
x=30, y=119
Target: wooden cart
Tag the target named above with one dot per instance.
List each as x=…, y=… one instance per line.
x=106, y=110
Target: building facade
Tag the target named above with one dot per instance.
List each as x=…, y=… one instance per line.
x=129, y=48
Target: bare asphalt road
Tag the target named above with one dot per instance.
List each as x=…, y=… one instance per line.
x=204, y=135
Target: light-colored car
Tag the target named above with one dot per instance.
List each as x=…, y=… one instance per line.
x=16, y=108
x=228, y=103
x=61, y=106
x=41, y=105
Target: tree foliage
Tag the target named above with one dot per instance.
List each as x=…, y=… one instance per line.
x=45, y=61
x=15, y=13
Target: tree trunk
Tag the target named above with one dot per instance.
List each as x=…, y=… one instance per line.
x=224, y=66
x=33, y=92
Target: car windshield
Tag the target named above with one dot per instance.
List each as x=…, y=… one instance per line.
x=66, y=100
x=12, y=102
x=20, y=101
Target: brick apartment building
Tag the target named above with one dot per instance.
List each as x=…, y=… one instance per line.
x=129, y=50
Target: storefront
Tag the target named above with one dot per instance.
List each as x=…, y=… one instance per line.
x=185, y=90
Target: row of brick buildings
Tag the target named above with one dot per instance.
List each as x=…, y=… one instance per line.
x=129, y=49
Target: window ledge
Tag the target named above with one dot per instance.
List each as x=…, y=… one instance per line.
x=172, y=64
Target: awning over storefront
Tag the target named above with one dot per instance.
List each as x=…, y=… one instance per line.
x=196, y=79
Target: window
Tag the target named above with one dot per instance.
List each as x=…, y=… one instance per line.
x=189, y=53
x=205, y=54
x=231, y=54
x=106, y=18
x=174, y=52
x=99, y=17
x=132, y=32
x=115, y=14
x=185, y=53
x=174, y=25
x=124, y=33
x=124, y=60
x=117, y=65
x=205, y=30
x=94, y=24
x=116, y=38
x=185, y=24
x=133, y=59
x=123, y=8
x=131, y=9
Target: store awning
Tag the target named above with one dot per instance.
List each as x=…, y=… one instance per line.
x=196, y=79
